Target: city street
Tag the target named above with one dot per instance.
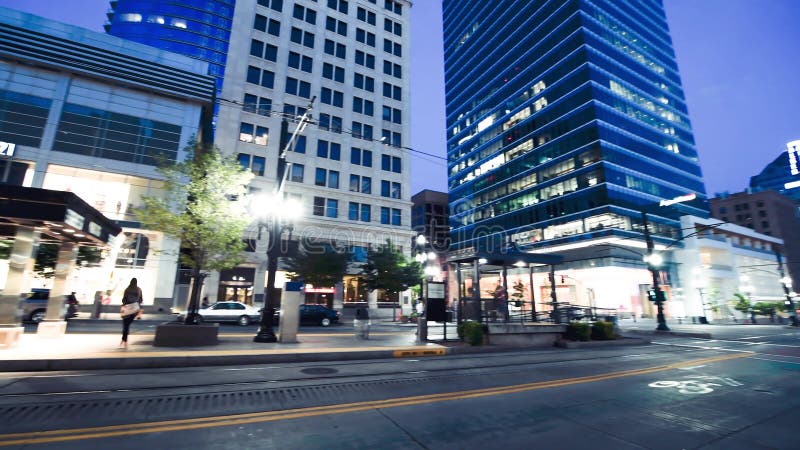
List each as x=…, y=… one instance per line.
x=738, y=390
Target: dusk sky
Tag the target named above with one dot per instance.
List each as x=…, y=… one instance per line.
x=739, y=61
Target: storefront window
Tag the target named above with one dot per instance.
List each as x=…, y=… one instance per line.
x=355, y=292
x=133, y=251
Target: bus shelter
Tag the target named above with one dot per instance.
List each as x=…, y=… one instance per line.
x=482, y=279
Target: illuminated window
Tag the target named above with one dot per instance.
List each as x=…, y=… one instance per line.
x=130, y=17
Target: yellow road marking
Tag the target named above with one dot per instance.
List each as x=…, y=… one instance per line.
x=43, y=437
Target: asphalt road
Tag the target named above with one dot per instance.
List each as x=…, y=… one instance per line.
x=738, y=392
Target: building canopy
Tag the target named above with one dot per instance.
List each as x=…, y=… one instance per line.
x=58, y=215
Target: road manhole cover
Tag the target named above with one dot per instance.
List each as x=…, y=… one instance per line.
x=318, y=371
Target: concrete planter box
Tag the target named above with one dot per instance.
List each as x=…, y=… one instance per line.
x=174, y=334
x=525, y=335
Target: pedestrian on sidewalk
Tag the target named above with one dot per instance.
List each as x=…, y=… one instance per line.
x=130, y=310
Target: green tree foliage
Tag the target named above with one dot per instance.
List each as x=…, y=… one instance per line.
x=388, y=269
x=204, y=206
x=320, y=265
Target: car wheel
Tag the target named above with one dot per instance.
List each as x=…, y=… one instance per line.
x=198, y=318
x=38, y=315
x=243, y=321
x=325, y=322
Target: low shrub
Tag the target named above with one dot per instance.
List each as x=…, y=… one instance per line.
x=472, y=332
x=577, y=331
x=603, y=331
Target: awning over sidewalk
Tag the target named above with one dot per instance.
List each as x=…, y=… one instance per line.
x=506, y=258
x=58, y=216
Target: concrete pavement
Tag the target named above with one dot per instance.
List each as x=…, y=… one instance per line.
x=99, y=350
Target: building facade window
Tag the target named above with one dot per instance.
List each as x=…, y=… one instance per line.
x=300, y=62
x=327, y=207
x=93, y=132
x=300, y=12
x=333, y=72
x=336, y=26
x=362, y=131
x=267, y=25
x=302, y=37
x=261, y=77
x=330, y=150
x=359, y=212
x=338, y=5
x=275, y=5
x=361, y=157
x=296, y=175
x=297, y=87
x=363, y=106
x=391, y=163
x=366, y=16
x=336, y=49
x=365, y=37
x=364, y=82
x=263, y=50
x=332, y=97
x=365, y=59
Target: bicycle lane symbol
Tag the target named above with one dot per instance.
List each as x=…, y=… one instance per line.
x=698, y=384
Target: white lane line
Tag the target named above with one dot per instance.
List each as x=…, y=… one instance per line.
x=690, y=368
x=756, y=343
x=418, y=371
x=254, y=368
x=753, y=337
x=774, y=360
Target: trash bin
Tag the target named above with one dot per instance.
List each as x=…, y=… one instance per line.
x=361, y=323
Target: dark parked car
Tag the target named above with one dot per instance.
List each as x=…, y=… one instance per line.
x=314, y=315
x=34, y=308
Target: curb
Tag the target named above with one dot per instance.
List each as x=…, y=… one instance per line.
x=157, y=362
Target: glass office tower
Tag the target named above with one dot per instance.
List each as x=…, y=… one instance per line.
x=197, y=28
x=565, y=120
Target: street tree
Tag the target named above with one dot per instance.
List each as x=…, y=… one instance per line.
x=388, y=269
x=319, y=265
x=204, y=205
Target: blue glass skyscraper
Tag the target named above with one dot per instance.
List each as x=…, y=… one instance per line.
x=197, y=28
x=566, y=121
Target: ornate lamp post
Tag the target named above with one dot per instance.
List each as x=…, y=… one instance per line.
x=281, y=216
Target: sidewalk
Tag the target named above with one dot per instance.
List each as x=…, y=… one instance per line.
x=82, y=351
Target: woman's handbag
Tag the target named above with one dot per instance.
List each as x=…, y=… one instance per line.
x=129, y=309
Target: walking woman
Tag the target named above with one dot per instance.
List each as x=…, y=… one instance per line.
x=131, y=308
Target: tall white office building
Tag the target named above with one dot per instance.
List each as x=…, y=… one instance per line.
x=348, y=170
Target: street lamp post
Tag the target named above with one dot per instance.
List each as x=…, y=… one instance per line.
x=422, y=257
x=653, y=260
x=786, y=283
x=284, y=211
x=279, y=206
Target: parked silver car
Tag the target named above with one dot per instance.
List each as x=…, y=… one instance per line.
x=34, y=307
x=228, y=312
